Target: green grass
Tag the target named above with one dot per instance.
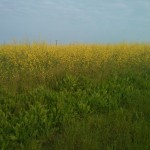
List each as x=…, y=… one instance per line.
x=79, y=114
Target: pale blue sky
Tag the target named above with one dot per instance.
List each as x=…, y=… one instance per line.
x=69, y=21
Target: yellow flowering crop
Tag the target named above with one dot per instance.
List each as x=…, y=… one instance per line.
x=42, y=62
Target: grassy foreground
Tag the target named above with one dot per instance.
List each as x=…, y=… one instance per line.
x=75, y=97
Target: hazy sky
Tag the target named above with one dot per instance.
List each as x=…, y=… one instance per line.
x=92, y=21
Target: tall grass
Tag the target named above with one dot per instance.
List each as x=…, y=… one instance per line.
x=75, y=96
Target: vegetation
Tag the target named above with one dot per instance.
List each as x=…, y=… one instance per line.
x=75, y=97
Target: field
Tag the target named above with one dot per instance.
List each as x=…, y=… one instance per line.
x=75, y=97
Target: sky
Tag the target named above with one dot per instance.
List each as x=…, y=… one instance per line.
x=75, y=21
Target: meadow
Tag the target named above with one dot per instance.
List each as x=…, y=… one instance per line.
x=75, y=97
